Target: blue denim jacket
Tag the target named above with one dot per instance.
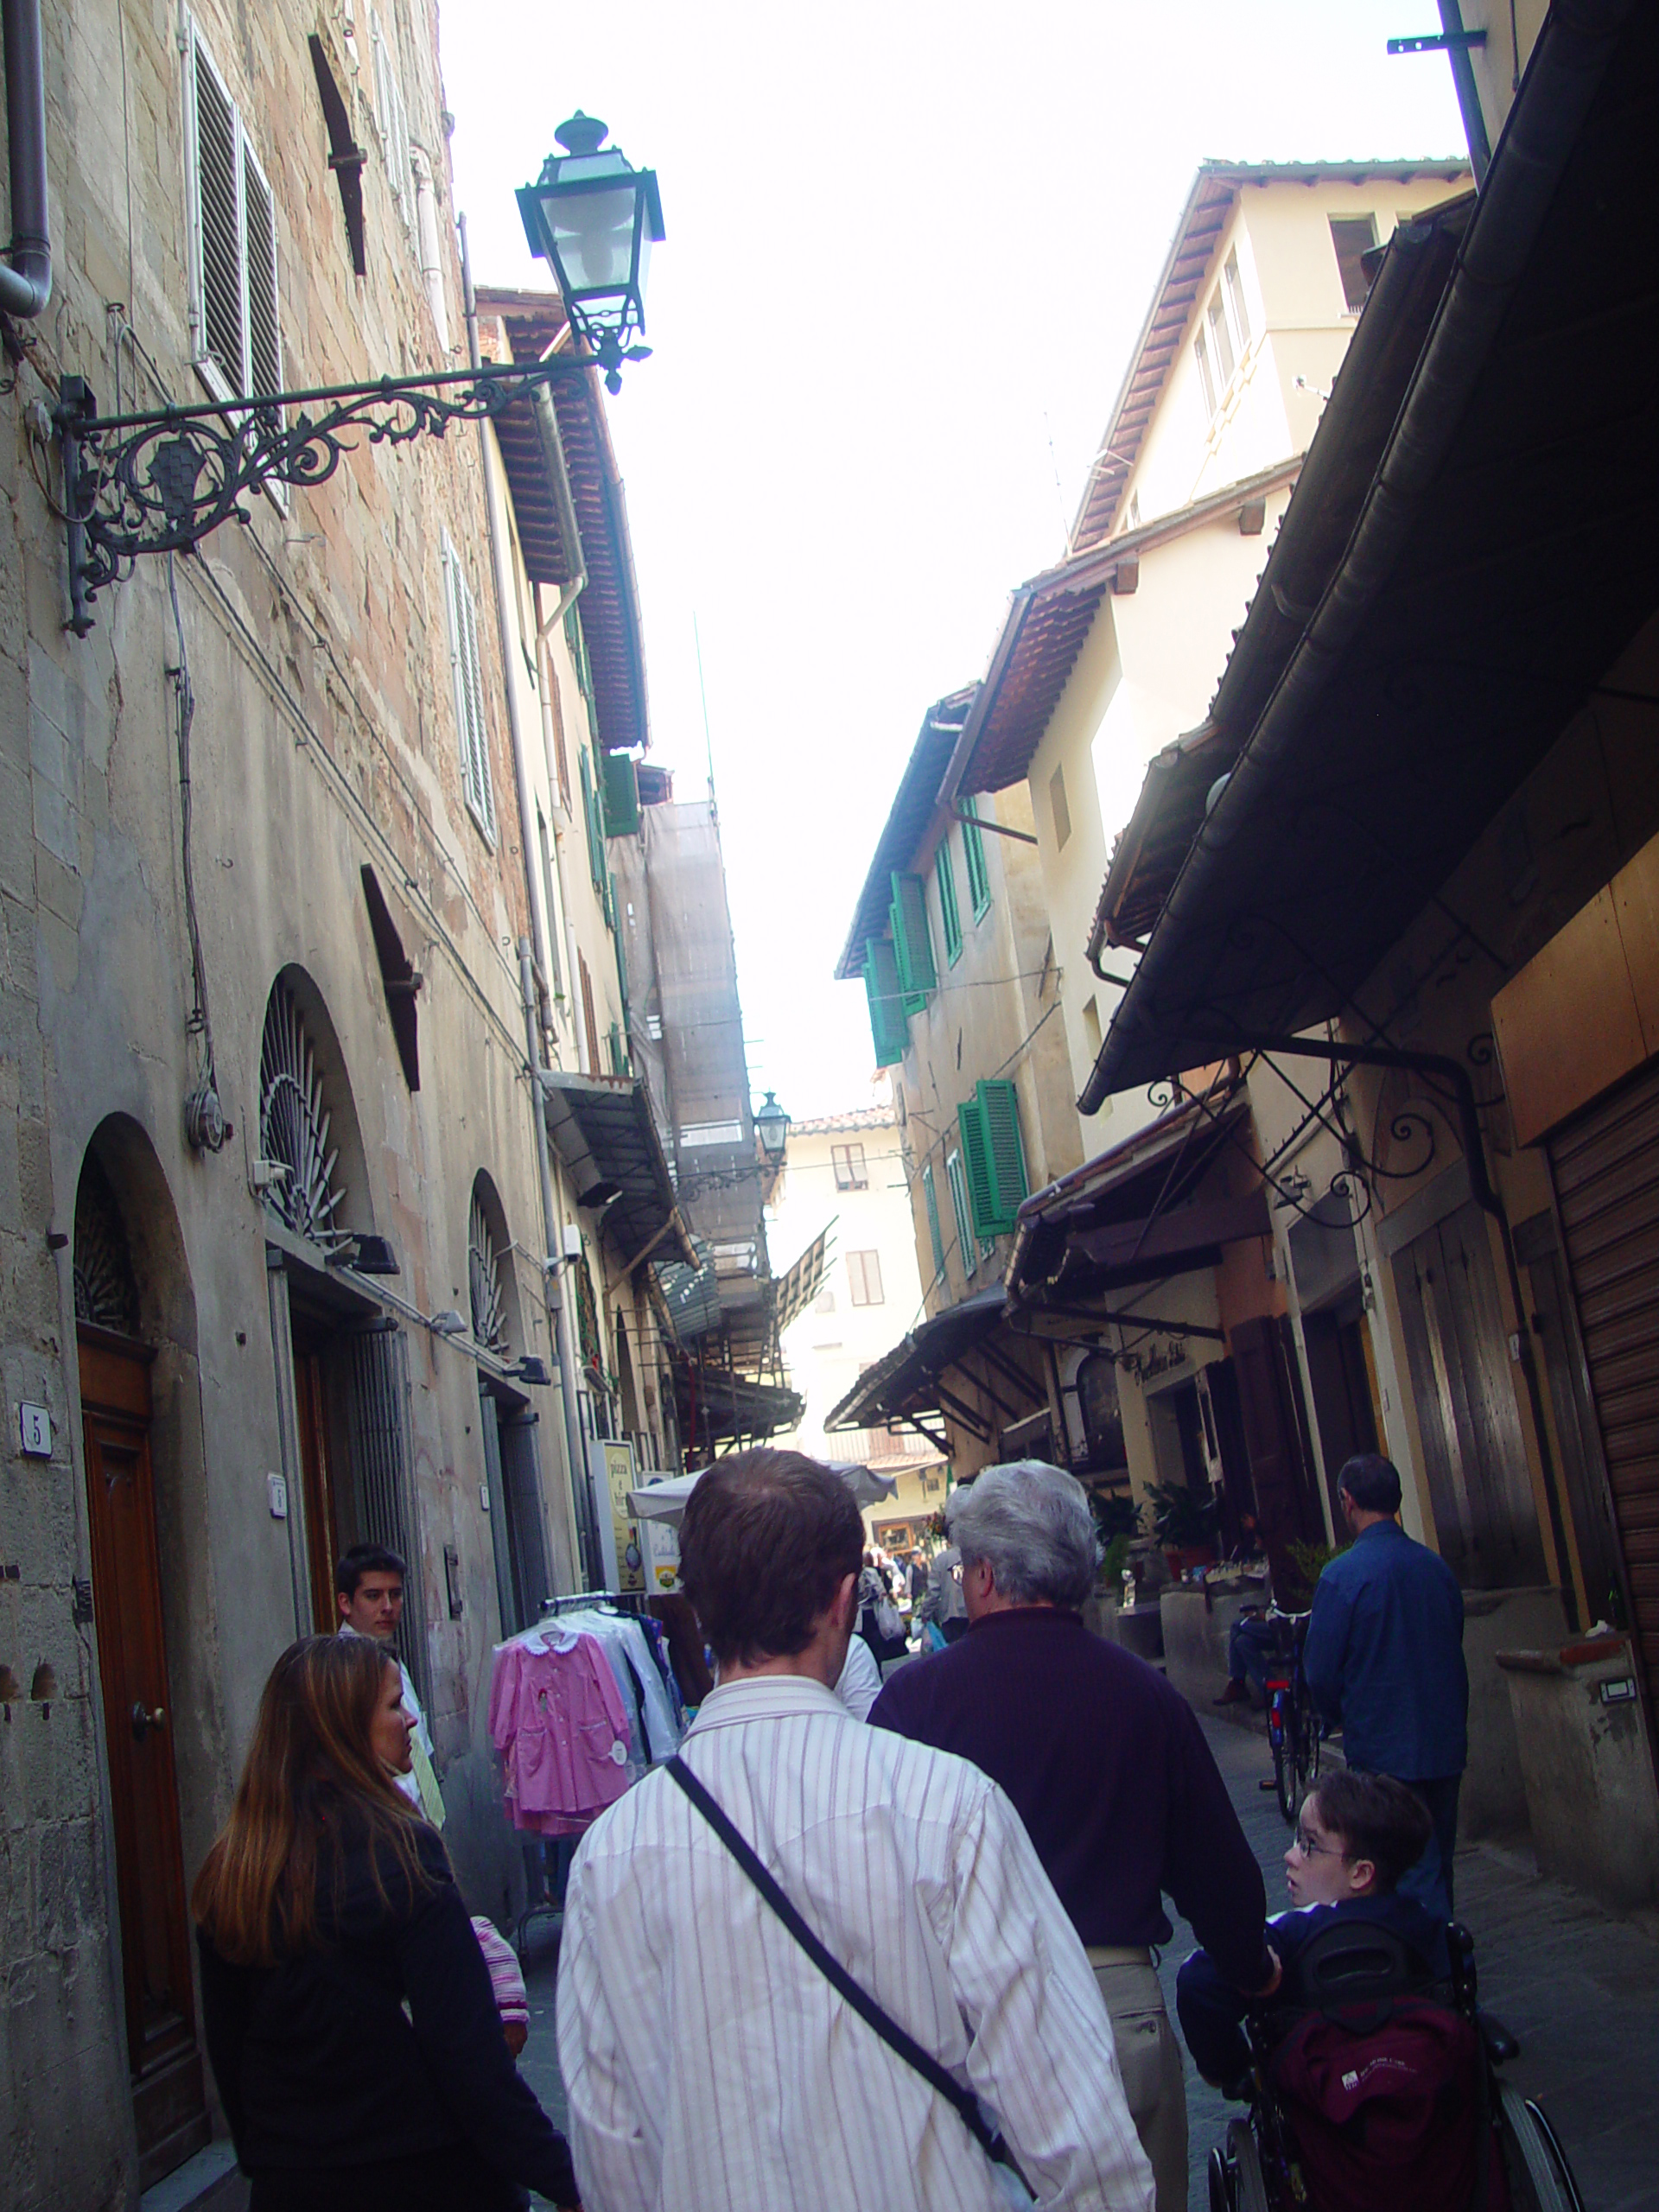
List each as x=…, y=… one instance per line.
x=1384, y=1657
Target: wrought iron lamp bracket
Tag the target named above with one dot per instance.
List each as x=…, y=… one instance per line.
x=161, y=482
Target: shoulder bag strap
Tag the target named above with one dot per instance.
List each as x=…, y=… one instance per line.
x=965, y=2103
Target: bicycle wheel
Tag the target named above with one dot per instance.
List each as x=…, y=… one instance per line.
x=1307, y=1746
x=1282, y=1735
x=1244, y=2158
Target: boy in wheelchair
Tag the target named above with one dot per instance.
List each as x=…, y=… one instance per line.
x=1356, y=1835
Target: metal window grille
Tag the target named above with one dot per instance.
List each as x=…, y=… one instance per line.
x=378, y=1421
x=467, y=671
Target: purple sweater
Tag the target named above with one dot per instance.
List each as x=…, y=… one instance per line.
x=1108, y=1768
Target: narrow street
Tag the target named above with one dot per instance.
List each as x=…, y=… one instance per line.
x=1576, y=1985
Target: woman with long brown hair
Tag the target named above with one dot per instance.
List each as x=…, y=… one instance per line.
x=349, y=2011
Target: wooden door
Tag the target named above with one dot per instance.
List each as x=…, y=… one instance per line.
x=321, y=1533
x=168, y=2100
x=1275, y=1424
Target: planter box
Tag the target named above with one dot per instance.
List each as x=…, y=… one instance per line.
x=1494, y=1797
x=1589, y=1779
x=1141, y=1630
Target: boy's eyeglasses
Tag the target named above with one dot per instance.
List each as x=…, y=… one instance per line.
x=1311, y=1847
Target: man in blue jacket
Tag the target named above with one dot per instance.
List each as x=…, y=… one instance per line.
x=1384, y=1661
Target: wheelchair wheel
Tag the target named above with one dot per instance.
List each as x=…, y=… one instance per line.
x=1235, y=2181
x=1540, y=2178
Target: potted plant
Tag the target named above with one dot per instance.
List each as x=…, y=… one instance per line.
x=1185, y=1522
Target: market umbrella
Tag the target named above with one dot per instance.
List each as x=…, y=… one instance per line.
x=666, y=1501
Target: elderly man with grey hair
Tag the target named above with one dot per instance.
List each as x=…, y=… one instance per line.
x=1107, y=1766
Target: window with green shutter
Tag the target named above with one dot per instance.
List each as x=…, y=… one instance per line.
x=910, y=941
x=995, y=1159
x=577, y=642
x=949, y=917
x=888, y=1031
x=621, y=959
x=973, y=849
x=933, y=1230
x=958, y=1182
x=620, y=789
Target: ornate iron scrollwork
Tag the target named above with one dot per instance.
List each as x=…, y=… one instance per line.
x=160, y=482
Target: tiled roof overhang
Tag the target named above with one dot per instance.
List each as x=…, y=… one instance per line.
x=913, y=808
x=1330, y=492
x=611, y=627
x=1047, y=625
x=1506, y=554
x=1187, y=272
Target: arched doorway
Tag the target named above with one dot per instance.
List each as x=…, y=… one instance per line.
x=507, y=1423
x=116, y=1353
x=342, y=1380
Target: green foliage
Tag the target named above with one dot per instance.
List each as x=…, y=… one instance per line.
x=1113, y=1562
x=1310, y=1562
x=1182, y=1519
x=1113, y=1515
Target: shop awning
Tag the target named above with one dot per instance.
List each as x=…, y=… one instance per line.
x=1506, y=553
x=603, y=1129
x=1135, y=1213
x=666, y=1500
x=905, y=1381
x=717, y=1407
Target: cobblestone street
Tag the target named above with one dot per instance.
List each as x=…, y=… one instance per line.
x=1579, y=1988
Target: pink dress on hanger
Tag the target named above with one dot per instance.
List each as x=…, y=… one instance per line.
x=558, y=1721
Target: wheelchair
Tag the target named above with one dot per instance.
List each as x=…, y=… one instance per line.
x=1355, y=1974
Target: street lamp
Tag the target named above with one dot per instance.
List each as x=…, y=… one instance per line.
x=593, y=219
x=771, y=1127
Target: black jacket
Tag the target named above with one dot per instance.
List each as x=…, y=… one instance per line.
x=320, y=2067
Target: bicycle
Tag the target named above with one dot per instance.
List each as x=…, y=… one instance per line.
x=1293, y=1725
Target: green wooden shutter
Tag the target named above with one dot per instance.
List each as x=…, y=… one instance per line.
x=910, y=941
x=595, y=846
x=999, y=1114
x=977, y=1166
x=621, y=963
x=958, y=1182
x=620, y=784
x=887, y=1028
x=933, y=1230
x=973, y=849
x=947, y=913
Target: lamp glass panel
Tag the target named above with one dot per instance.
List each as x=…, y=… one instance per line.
x=593, y=234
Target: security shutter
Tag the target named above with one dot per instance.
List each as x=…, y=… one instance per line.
x=1605, y=1165
x=468, y=674
x=888, y=1031
x=911, y=942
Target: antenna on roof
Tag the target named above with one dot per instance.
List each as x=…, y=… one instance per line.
x=708, y=740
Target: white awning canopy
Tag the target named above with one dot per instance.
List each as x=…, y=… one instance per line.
x=666, y=1501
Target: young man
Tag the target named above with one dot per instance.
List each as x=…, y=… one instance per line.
x=1357, y=1834
x=369, y=1593
x=708, y=2060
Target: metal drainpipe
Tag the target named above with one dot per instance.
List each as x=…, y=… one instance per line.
x=26, y=277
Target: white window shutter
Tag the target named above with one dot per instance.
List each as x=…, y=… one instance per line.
x=477, y=785
x=221, y=326
x=264, y=371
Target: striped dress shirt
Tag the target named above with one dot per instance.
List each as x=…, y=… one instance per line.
x=711, y=2068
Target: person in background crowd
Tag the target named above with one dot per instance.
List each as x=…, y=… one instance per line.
x=369, y=1593
x=1384, y=1662
x=917, y=1574
x=859, y=1684
x=943, y=1605
x=1107, y=1766
x=346, y=2007
x=878, y=1623
x=708, y=2061
x=1357, y=1836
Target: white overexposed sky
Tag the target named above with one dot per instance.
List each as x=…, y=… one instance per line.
x=909, y=247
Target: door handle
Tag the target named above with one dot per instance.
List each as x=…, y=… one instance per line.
x=143, y=1721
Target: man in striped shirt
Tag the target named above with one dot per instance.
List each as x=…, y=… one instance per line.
x=708, y=2061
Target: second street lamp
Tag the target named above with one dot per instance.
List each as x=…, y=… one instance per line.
x=593, y=219
x=771, y=1127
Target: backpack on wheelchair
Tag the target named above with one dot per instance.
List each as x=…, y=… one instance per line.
x=1378, y=2092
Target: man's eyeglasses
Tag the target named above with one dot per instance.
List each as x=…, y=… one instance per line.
x=1311, y=1847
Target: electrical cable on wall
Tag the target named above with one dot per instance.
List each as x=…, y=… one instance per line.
x=204, y=1118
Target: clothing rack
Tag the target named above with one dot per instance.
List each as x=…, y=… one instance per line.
x=536, y=1865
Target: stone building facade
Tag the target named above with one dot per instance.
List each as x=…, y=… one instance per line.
x=259, y=834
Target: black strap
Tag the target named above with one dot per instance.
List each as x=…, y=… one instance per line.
x=989, y=2139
